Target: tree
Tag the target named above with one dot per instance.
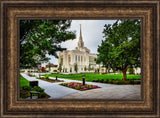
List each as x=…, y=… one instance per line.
x=89, y=68
x=70, y=70
x=76, y=67
x=131, y=70
x=39, y=38
x=85, y=68
x=60, y=66
x=121, y=47
x=98, y=70
x=49, y=66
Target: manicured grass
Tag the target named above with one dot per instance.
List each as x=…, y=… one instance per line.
x=92, y=76
x=23, y=81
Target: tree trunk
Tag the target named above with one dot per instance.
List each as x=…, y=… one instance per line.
x=108, y=71
x=124, y=74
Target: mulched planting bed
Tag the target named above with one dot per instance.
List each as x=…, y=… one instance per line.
x=31, y=75
x=119, y=82
x=49, y=80
x=79, y=86
x=46, y=96
x=25, y=92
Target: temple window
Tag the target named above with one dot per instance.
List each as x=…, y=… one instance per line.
x=76, y=58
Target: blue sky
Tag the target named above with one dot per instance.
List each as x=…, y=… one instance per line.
x=91, y=34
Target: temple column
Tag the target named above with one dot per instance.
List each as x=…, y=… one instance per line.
x=80, y=59
x=64, y=60
x=71, y=58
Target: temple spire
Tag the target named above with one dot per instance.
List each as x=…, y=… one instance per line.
x=80, y=42
x=80, y=36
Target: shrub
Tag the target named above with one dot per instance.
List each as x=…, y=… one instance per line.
x=134, y=81
x=138, y=82
x=46, y=77
x=102, y=80
x=131, y=70
x=27, y=88
x=30, y=75
x=64, y=84
x=106, y=81
x=42, y=94
x=115, y=81
x=37, y=88
x=111, y=81
x=127, y=82
x=131, y=81
x=54, y=70
x=121, y=82
x=96, y=80
x=78, y=87
x=89, y=86
x=135, y=78
x=24, y=94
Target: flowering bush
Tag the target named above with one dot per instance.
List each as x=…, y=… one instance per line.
x=95, y=86
x=79, y=86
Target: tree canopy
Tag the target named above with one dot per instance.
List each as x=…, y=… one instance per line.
x=39, y=38
x=76, y=67
x=121, y=47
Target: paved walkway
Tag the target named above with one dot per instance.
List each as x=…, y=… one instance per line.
x=54, y=90
x=109, y=91
x=116, y=92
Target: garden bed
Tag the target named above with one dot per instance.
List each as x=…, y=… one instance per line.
x=79, y=86
x=31, y=75
x=49, y=80
x=119, y=82
x=46, y=78
x=25, y=92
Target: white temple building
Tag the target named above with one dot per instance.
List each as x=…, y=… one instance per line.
x=81, y=56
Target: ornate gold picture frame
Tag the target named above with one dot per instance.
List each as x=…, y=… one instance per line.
x=14, y=11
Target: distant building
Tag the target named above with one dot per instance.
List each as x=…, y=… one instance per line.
x=81, y=56
x=39, y=67
x=51, y=68
x=137, y=70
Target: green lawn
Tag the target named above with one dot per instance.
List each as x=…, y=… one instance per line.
x=23, y=81
x=92, y=76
